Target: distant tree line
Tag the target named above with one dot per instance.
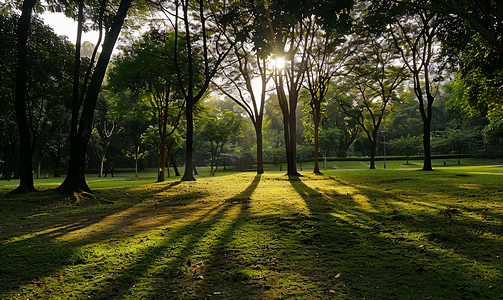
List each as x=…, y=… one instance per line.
x=241, y=83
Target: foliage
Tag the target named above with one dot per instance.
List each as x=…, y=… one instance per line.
x=219, y=128
x=409, y=145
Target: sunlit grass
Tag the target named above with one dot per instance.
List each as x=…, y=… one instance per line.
x=374, y=234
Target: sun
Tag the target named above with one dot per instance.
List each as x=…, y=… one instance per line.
x=280, y=63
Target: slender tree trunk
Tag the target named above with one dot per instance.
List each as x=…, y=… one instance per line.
x=190, y=169
x=135, y=161
x=372, y=155
x=373, y=144
x=26, y=149
x=173, y=163
x=292, y=159
x=75, y=180
x=162, y=159
x=427, y=141
x=316, y=119
x=168, y=160
x=260, y=159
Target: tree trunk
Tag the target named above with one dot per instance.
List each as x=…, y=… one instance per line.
x=135, y=161
x=162, y=159
x=168, y=160
x=316, y=119
x=190, y=169
x=75, y=180
x=372, y=156
x=292, y=159
x=26, y=149
x=427, y=145
x=260, y=159
x=173, y=163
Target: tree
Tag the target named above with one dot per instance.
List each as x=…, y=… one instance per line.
x=147, y=67
x=375, y=78
x=410, y=145
x=482, y=17
x=84, y=103
x=285, y=30
x=41, y=72
x=415, y=36
x=326, y=56
x=196, y=24
x=219, y=128
x=246, y=66
x=106, y=128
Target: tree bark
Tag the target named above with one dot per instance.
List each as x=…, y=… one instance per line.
x=316, y=120
x=162, y=159
x=427, y=134
x=189, y=164
x=26, y=147
x=260, y=158
x=173, y=163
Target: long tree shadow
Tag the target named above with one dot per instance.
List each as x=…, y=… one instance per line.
x=382, y=265
x=32, y=248
x=193, y=257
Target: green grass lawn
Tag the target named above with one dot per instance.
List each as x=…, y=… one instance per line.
x=398, y=233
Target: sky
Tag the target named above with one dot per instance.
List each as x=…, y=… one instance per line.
x=66, y=26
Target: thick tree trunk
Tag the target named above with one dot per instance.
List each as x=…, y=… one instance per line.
x=26, y=149
x=75, y=179
x=190, y=169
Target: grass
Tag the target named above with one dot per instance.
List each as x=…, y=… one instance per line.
x=364, y=234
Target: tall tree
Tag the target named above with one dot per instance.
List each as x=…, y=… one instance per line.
x=41, y=72
x=285, y=31
x=244, y=69
x=147, y=68
x=198, y=24
x=375, y=77
x=26, y=147
x=75, y=180
x=326, y=57
x=415, y=36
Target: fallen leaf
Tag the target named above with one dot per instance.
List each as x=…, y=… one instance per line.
x=338, y=275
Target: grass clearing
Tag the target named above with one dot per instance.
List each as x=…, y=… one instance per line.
x=373, y=234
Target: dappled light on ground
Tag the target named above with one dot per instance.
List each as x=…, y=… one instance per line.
x=342, y=235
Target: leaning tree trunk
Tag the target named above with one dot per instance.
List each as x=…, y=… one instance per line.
x=173, y=163
x=26, y=149
x=75, y=180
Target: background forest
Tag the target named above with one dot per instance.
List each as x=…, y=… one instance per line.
x=243, y=83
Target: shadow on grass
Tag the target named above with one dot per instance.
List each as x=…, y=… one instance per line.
x=30, y=242
x=380, y=252
x=192, y=262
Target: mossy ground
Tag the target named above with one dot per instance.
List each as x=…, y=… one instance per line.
x=373, y=234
